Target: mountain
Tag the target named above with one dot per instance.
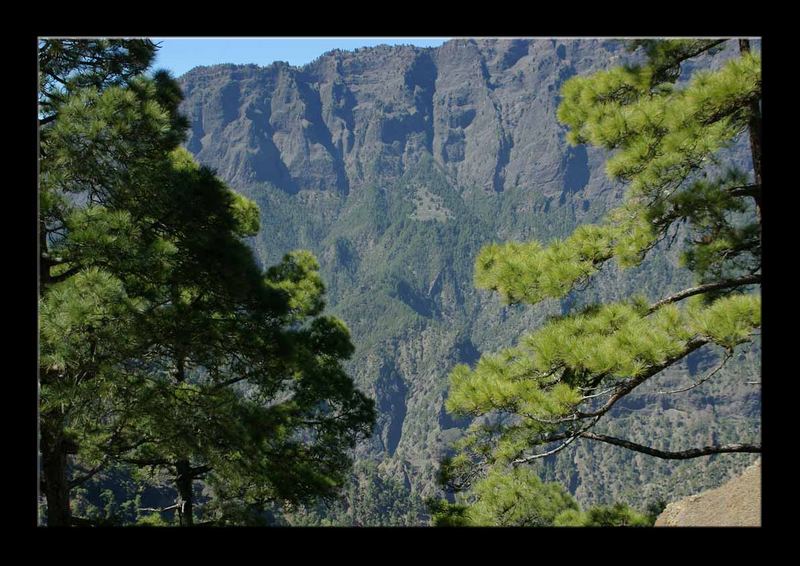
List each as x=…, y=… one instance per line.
x=394, y=165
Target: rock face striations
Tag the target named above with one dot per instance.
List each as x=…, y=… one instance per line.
x=484, y=110
x=394, y=165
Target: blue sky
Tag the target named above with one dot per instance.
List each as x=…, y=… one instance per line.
x=182, y=54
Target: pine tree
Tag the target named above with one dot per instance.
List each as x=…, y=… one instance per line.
x=516, y=497
x=670, y=138
x=85, y=89
x=162, y=340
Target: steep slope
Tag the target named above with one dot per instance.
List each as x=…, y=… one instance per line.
x=737, y=503
x=394, y=165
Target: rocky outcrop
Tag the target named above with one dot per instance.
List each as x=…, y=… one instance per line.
x=484, y=109
x=737, y=503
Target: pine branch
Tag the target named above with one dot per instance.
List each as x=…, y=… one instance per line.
x=747, y=191
x=622, y=389
x=227, y=382
x=162, y=510
x=631, y=384
x=703, y=48
x=47, y=119
x=569, y=436
x=146, y=461
x=75, y=482
x=559, y=448
x=65, y=275
x=604, y=392
x=83, y=522
x=726, y=284
x=679, y=455
x=561, y=420
x=199, y=471
x=706, y=378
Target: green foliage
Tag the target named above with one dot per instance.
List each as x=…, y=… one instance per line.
x=518, y=498
x=730, y=320
x=661, y=133
x=654, y=509
x=617, y=515
x=152, y=520
x=444, y=514
x=560, y=379
x=69, y=64
x=80, y=315
x=662, y=137
x=329, y=334
x=297, y=275
x=247, y=215
x=616, y=341
x=163, y=343
x=664, y=58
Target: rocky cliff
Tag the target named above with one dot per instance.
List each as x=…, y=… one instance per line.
x=737, y=503
x=394, y=165
x=484, y=110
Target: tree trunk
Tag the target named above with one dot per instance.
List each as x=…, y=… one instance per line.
x=55, y=449
x=755, y=133
x=44, y=261
x=183, y=482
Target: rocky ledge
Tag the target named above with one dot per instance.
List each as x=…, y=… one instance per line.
x=736, y=503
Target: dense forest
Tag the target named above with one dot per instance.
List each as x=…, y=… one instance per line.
x=495, y=283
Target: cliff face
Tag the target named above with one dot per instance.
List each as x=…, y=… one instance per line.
x=394, y=165
x=484, y=110
x=737, y=503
